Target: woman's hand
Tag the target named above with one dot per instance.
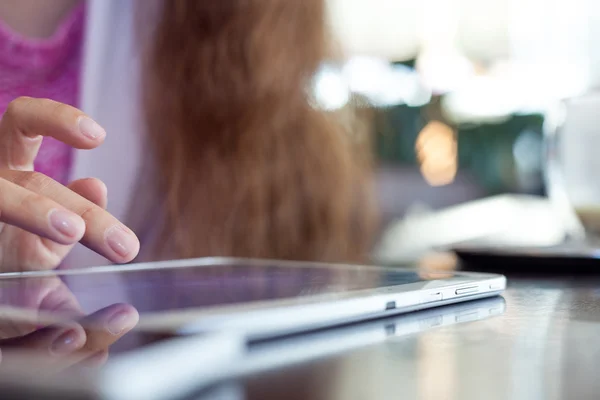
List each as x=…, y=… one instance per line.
x=72, y=338
x=40, y=219
x=58, y=347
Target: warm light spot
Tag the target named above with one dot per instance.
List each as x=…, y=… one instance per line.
x=437, y=153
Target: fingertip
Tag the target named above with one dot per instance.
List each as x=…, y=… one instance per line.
x=102, y=186
x=123, y=243
x=89, y=129
x=106, y=326
x=68, y=340
x=92, y=189
x=67, y=227
x=124, y=319
x=102, y=199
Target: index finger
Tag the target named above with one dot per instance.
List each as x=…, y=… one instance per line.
x=61, y=346
x=106, y=326
x=104, y=234
x=27, y=119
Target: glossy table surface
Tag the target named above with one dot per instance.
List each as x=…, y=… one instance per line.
x=546, y=345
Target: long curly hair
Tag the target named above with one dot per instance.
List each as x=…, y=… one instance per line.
x=245, y=164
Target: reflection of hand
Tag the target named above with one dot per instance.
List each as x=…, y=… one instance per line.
x=79, y=339
x=439, y=265
x=40, y=219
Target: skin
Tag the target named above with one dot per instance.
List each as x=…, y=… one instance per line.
x=32, y=206
x=28, y=241
x=40, y=220
x=79, y=340
x=69, y=338
x=34, y=18
x=32, y=203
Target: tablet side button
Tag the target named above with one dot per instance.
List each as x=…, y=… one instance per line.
x=467, y=290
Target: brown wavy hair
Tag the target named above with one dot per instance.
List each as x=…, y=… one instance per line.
x=245, y=165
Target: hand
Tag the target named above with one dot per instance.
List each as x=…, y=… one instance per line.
x=73, y=339
x=40, y=219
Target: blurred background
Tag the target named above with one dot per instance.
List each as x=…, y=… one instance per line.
x=463, y=98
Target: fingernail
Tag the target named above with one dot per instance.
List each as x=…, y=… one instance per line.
x=90, y=128
x=65, y=222
x=120, y=241
x=120, y=322
x=66, y=343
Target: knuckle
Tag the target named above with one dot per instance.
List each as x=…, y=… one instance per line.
x=90, y=212
x=57, y=109
x=34, y=181
x=25, y=107
x=18, y=104
x=32, y=201
x=16, y=107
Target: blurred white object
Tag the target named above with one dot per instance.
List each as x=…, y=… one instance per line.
x=397, y=29
x=544, y=32
x=514, y=87
x=331, y=91
x=530, y=52
x=514, y=220
x=572, y=135
x=379, y=81
x=380, y=28
x=383, y=83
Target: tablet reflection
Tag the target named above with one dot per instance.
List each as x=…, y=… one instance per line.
x=42, y=321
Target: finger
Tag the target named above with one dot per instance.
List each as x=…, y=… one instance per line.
x=92, y=189
x=39, y=214
x=96, y=360
x=50, y=341
x=108, y=325
x=48, y=297
x=27, y=119
x=62, y=301
x=53, y=344
x=103, y=233
x=54, y=349
x=74, y=344
x=102, y=329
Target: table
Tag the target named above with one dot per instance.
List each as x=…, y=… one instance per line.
x=545, y=346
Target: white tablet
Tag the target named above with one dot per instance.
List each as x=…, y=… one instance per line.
x=254, y=298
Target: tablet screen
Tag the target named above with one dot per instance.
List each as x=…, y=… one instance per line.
x=201, y=286
x=208, y=286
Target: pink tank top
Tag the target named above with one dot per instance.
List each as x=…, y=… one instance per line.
x=44, y=68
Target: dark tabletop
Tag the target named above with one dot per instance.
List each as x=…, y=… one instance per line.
x=546, y=345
